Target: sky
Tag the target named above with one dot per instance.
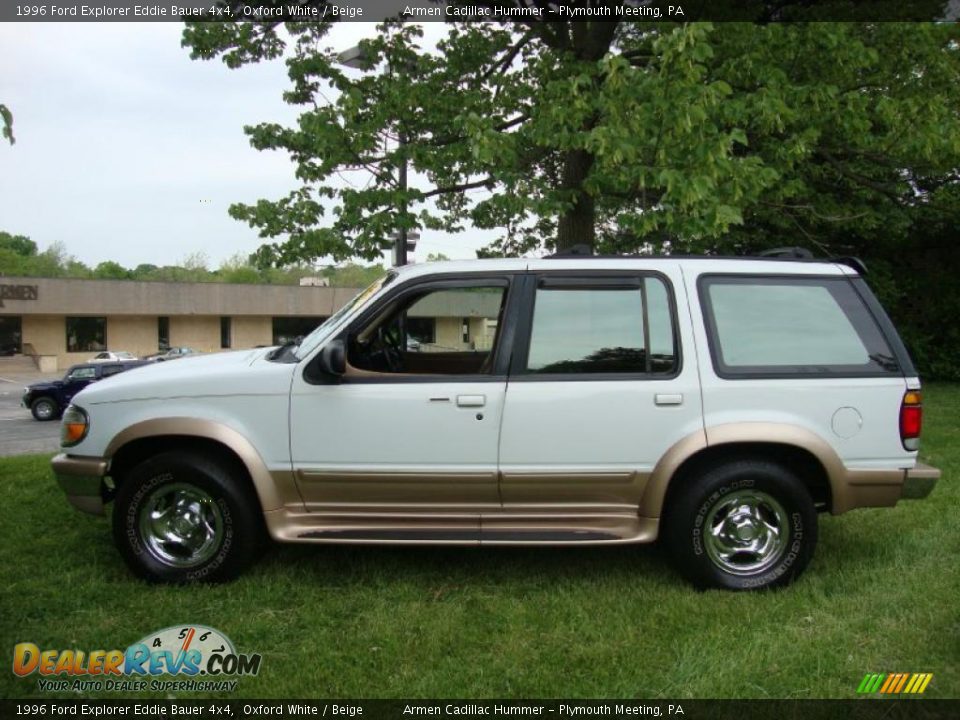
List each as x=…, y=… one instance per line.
x=128, y=150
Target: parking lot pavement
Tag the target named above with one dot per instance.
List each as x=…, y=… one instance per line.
x=20, y=434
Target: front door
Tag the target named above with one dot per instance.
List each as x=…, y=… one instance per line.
x=414, y=422
x=76, y=380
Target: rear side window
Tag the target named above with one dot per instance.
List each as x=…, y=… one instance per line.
x=791, y=326
x=620, y=326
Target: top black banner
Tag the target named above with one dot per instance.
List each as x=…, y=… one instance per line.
x=501, y=11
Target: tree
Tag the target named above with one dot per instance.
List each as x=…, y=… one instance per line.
x=111, y=270
x=7, y=119
x=621, y=136
x=18, y=244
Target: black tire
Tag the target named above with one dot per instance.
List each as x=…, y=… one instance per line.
x=719, y=526
x=219, y=515
x=44, y=409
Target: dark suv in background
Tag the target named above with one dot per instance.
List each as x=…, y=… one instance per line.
x=47, y=399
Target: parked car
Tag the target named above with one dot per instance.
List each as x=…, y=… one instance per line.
x=172, y=354
x=717, y=404
x=113, y=356
x=47, y=399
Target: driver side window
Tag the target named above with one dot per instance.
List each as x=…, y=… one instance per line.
x=441, y=331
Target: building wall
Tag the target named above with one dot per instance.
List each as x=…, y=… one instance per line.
x=450, y=334
x=136, y=334
x=200, y=332
x=251, y=331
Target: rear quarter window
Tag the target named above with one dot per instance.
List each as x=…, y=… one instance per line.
x=794, y=326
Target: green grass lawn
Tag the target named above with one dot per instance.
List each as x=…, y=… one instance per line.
x=882, y=595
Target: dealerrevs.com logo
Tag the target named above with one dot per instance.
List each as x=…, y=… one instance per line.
x=204, y=656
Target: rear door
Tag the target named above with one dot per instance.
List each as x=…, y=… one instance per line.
x=603, y=381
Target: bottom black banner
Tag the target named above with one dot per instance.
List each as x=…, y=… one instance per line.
x=915, y=709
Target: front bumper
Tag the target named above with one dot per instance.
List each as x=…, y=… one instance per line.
x=919, y=482
x=82, y=480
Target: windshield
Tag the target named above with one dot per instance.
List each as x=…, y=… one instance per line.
x=359, y=300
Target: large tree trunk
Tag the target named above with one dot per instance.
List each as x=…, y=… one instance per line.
x=576, y=225
x=590, y=41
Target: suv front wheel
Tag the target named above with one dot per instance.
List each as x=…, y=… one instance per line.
x=743, y=525
x=184, y=517
x=44, y=409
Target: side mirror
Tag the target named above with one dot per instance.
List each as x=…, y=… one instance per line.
x=333, y=358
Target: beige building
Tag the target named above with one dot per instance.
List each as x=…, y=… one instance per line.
x=60, y=322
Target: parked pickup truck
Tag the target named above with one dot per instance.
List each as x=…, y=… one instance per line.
x=716, y=404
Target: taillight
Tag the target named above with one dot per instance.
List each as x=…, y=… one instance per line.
x=911, y=419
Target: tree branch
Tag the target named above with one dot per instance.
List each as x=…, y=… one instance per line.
x=486, y=182
x=504, y=64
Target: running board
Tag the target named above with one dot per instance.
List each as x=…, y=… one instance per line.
x=470, y=536
x=498, y=528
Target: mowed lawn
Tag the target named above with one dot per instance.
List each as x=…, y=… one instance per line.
x=882, y=595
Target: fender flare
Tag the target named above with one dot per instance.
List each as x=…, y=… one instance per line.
x=651, y=504
x=264, y=482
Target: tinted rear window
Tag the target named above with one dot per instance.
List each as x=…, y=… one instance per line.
x=788, y=326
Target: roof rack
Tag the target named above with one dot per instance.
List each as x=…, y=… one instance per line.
x=795, y=252
x=801, y=253
x=854, y=263
x=581, y=250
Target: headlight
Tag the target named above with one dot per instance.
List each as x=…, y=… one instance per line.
x=74, y=426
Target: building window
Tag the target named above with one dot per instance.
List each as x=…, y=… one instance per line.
x=225, y=332
x=163, y=333
x=86, y=334
x=421, y=330
x=11, y=334
x=288, y=329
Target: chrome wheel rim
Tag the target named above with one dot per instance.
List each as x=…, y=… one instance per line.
x=181, y=525
x=746, y=532
x=44, y=410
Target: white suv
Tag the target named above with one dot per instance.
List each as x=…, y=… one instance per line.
x=718, y=404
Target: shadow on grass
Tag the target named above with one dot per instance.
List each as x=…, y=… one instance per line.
x=344, y=565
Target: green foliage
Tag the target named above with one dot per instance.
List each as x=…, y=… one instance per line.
x=624, y=136
x=6, y=120
x=110, y=270
x=18, y=244
x=19, y=257
x=353, y=275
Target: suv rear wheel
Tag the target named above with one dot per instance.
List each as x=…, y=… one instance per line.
x=744, y=525
x=45, y=408
x=183, y=517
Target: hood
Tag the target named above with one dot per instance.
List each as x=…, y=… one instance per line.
x=240, y=372
x=45, y=384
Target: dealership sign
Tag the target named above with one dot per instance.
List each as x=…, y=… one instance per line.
x=18, y=292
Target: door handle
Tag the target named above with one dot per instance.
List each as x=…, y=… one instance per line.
x=664, y=399
x=471, y=400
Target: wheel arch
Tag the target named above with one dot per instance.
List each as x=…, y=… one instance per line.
x=150, y=437
x=797, y=448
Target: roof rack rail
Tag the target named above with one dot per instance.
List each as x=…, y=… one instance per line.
x=854, y=263
x=796, y=252
x=572, y=251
